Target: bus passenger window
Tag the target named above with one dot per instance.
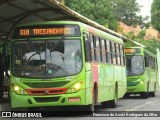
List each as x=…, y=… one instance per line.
x=93, y=47
x=109, y=52
x=118, y=54
x=103, y=51
x=113, y=53
x=98, y=50
x=122, y=55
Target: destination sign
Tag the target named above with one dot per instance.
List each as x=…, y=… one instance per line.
x=131, y=50
x=46, y=31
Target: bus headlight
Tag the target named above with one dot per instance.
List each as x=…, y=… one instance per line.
x=76, y=87
x=19, y=90
x=16, y=88
x=141, y=82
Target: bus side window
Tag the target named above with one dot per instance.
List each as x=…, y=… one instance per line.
x=118, y=54
x=109, y=56
x=114, y=53
x=87, y=47
x=93, y=47
x=152, y=62
x=146, y=60
x=122, y=55
x=98, y=49
x=103, y=44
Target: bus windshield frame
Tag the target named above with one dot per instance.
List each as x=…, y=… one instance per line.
x=135, y=65
x=50, y=58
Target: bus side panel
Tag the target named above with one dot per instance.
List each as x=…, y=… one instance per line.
x=120, y=77
x=106, y=82
x=152, y=80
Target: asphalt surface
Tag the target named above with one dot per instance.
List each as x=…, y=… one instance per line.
x=132, y=108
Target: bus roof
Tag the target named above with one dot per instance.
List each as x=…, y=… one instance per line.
x=148, y=52
x=101, y=33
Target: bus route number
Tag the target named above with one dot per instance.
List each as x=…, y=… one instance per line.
x=24, y=32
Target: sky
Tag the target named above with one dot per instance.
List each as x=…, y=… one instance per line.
x=146, y=7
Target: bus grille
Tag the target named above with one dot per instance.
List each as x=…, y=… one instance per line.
x=132, y=83
x=46, y=91
x=47, y=99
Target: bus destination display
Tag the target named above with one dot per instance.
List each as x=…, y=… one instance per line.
x=132, y=50
x=44, y=31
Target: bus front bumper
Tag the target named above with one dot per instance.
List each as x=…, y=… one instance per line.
x=18, y=101
x=141, y=87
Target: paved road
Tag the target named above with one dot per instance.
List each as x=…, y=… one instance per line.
x=133, y=104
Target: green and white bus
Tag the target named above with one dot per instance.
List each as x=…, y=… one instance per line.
x=66, y=63
x=142, y=73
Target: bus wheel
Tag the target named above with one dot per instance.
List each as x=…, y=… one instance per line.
x=126, y=95
x=153, y=93
x=105, y=104
x=145, y=95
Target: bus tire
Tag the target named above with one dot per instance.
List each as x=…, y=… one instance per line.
x=145, y=95
x=90, y=108
x=105, y=104
x=126, y=95
x=153, y=93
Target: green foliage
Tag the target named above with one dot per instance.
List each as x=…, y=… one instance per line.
x=151, y=45
x=98, y=11
x=141, y=34
x=155, y=14
x=126, y=11
x=108, y=12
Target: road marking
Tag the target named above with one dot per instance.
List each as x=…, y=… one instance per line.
x=140, y=106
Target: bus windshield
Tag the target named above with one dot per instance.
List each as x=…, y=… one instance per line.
x=135, y=65
x=46, y=59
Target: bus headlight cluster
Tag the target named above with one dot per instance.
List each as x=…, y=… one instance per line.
x=76, y=87
x=16, y=88
x=141, y=82
x=19, y=90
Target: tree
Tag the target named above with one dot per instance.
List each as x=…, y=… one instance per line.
x=108, y=12
x=141, y=34
x=126, y=11
x=99, y=11
x=155, y=14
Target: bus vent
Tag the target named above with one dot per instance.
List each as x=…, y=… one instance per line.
x=47, y=99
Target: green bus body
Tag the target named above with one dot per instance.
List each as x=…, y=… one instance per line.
x=142, y=73
x=91, y=77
